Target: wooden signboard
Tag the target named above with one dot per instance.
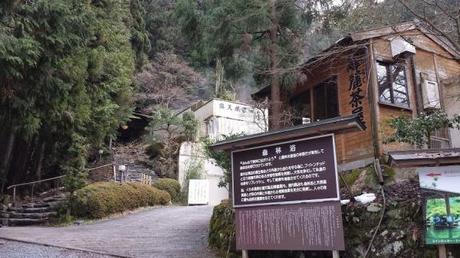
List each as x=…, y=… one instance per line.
x=286, y=196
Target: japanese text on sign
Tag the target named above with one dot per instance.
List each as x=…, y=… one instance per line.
x=303, y=170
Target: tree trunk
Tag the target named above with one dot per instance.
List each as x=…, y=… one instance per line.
x=275, y=80
x=41, y=155
x=6, y=157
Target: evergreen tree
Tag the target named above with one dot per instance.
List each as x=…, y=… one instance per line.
x=66, y=69
x=264, y=34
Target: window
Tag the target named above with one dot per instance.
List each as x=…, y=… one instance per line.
x=324, y=103
x=392, y=83
x=300, y=105
x=325, y=98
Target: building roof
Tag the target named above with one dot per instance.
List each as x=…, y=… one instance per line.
x=418, y=158
x=333, y=125
x=359, y=39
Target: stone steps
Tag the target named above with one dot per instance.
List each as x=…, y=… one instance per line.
x=22, y=215
x=25, y=222
x=32, y=213
x=29, y=210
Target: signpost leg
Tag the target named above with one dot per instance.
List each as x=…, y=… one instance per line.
x=442, y=253
x=244, y=254
x=335, y=254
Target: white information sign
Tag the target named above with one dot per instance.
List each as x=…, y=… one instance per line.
x=198, y=191
x=446, y=179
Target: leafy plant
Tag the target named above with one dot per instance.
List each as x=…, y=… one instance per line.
x=170, y=130
x=418, y=131
x=221, y=159
x=194, y=170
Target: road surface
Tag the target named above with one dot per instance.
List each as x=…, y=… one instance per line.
x=175, y=231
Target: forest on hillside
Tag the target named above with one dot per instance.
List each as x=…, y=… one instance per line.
x=73, y=72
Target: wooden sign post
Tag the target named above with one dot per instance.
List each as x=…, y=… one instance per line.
x=291, y=188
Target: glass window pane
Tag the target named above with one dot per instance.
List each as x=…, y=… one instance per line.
x=392, y=83
x=385, y=96
x=399, y=87
x=381, y=73
x=325, y=99
x=384, y=84
x=400, y=98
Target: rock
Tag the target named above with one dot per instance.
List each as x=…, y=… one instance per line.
x=384, y=233
x=394, y=214
x=360, y=182
x=355, y=219
x=374, y=207
x=78, y=222
x=345, y=202
x=365, y=198
x=397, y=247
x=392, y=249
x=401, y=235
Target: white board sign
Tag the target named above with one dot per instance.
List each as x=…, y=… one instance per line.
x=446, y=179
x=198, y=191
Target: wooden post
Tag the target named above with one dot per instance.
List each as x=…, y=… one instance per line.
x=14, y=196
x=32, y=194
x=244, y=254
x=442, y=253
x=335, y=254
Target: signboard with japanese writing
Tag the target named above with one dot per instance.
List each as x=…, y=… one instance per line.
x=357, y=74
x=441, y=191
x=290, y=172
x=198, y=191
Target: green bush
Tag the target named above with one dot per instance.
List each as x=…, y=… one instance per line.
x=169, y=185
x=222, y=229
x=99, y=200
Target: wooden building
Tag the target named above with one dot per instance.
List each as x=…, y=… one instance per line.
x=378, y=74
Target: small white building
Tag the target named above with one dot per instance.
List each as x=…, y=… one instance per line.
x=217, y=119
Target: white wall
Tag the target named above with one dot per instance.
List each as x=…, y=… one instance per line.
x=193, y=152
x=218, y=118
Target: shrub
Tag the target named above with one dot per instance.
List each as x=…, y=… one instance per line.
x=169, y=185
x=222, y=229
x=102, y=199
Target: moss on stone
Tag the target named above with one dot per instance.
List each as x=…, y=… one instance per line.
x=388, y=174
x=350, y=177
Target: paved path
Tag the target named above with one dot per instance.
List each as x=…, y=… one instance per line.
x=176, y=231
x=14, y=249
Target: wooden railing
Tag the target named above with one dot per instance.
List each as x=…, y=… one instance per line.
x=33, y=183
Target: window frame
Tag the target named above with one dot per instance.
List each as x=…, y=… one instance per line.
x=324, y=84
x=388, y=65
x=313, y=101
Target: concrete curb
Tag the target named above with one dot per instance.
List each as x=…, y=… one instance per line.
x=64, y=247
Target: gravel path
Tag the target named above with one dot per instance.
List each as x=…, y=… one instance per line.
x=179, y=231
x=14, y=249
